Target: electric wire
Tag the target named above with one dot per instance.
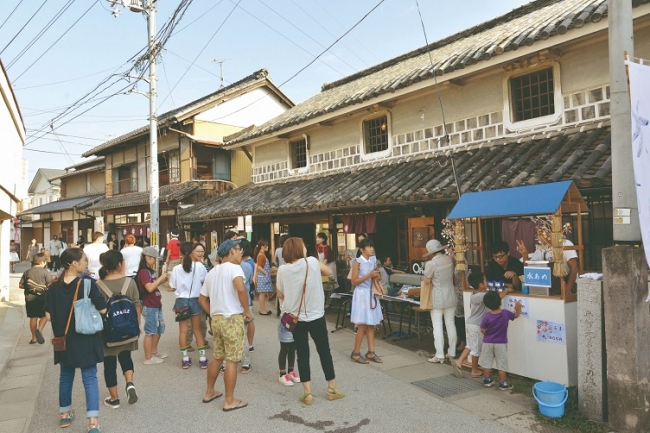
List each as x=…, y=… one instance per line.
x=442, y=108
x=23, y=27
x=308, y=64
x=9, y=16
x=56, y=41
x=201, y=52
x=41, y=33
x=306, y=34
x=162, y=64
x=64, y=81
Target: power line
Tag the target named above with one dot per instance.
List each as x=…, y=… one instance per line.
x=9, y=16
x=308, y=64
x=54, y=153
x=201, y=52
x=304, y=33
x=57, y=40
x=328, y=32
x=162, y=63
x=64, y=81
x=41, y=33
x=23, y=27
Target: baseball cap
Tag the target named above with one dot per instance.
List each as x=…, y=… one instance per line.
x=226, y=246
x=150, y=251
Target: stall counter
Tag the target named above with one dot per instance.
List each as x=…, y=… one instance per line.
x=542, y=342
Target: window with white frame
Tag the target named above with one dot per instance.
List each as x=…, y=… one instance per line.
x=532, y=95
x=375, y=134
x=298, y=149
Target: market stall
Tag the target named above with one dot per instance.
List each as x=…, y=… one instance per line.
x=542, y=344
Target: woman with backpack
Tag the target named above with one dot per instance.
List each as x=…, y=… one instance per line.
x=112, y=282
x=80, y=351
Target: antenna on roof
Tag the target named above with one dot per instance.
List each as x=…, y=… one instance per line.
x=220, y=63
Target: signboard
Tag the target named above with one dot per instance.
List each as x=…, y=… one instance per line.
x=417, y=267
x=248, y=223
x=213, y=240
x=99, y=224
x=622, y=215
x=639, y=77
x=551, y=332
x=511, y=300
x=240, y=224
x=540, y=277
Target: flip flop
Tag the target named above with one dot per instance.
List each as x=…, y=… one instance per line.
x=214, y=397
x=477, y=375
x=239, y=405
x=458, y=372
x=66, y=421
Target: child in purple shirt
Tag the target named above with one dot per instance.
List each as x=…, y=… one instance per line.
x=494, y=327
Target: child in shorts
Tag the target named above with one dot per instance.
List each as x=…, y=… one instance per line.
x=478, y=283
x=494, y=327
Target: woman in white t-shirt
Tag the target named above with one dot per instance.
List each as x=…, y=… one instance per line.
x=187, y=279
x=298, y=272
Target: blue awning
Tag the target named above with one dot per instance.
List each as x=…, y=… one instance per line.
x=543, y=199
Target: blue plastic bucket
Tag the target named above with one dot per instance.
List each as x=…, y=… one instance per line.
x=551, y=397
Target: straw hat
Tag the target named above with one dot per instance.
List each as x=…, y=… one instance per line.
x=433, y=246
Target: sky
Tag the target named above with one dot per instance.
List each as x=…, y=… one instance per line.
x=56, y=51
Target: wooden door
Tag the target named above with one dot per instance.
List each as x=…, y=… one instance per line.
x=420, y=231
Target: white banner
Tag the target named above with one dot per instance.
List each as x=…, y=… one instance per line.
x=99, y=224
x=639, y=76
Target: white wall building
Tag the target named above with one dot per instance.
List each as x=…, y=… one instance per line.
x=12, y=137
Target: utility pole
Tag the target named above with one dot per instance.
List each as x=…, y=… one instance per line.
x=625, y=271
x=148, y=7
x=220, y=63
x=621, y=40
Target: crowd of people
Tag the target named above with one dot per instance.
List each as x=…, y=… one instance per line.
x=215, y=295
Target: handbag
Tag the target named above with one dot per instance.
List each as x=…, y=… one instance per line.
x=288, y=320
x=87, y=319
x=183, y=314
x=59, y=342
x=426, y=297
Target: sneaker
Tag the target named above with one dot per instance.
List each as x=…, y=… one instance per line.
x=130, y=391
x=294, y=377
x=161, y=355
x=355, y=330
x=245, y=369
x=487, y=382
x=505, y=386
x=112, y=403
x=286, y=380
x=203, y=363
x=222, y=368
x=186, y=364
x=39, y=336
x=251, y=349
x=153, y=360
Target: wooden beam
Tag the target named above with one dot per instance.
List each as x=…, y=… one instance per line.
x=248, y=154
x=327, y=123
x=455, y=84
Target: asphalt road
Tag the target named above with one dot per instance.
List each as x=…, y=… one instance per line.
x=170, y=398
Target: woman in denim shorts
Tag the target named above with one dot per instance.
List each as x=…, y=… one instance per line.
x=154, y=323
x=187, y=279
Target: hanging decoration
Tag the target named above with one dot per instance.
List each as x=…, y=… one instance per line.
x=551, y=233
x=454, y=232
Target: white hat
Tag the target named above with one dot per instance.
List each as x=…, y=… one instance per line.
x=433, y=246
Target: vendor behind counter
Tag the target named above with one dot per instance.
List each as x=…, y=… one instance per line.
x=503, y=266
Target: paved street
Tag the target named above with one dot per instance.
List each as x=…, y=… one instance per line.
x=379, y=397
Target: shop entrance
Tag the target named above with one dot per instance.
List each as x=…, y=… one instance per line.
x=420, y=231
x=308, y=234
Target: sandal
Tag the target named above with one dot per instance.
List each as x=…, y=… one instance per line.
x=94, y=428
x=356, y=357
x=65, y=421
x=334, y=394
x=307, y=398
x=374, y=357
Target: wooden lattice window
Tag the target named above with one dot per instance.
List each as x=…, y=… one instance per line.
x=375, y=134
x=298, y=153
x=532, y=95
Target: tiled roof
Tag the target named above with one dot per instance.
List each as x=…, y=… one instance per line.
x=173, y=192
x=65, y=204
x=581, y=154
x=51, y=173
x=177, y=113
x=86, y=163
x=524, y=26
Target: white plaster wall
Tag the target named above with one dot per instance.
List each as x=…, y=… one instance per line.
x=251, y=108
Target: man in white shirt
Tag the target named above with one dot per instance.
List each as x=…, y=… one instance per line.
x=93, y=251
x=224, y=297
x=55, y=252
x=132, y=255
x=569, y=257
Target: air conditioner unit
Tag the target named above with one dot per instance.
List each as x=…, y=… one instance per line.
x=134, y=5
